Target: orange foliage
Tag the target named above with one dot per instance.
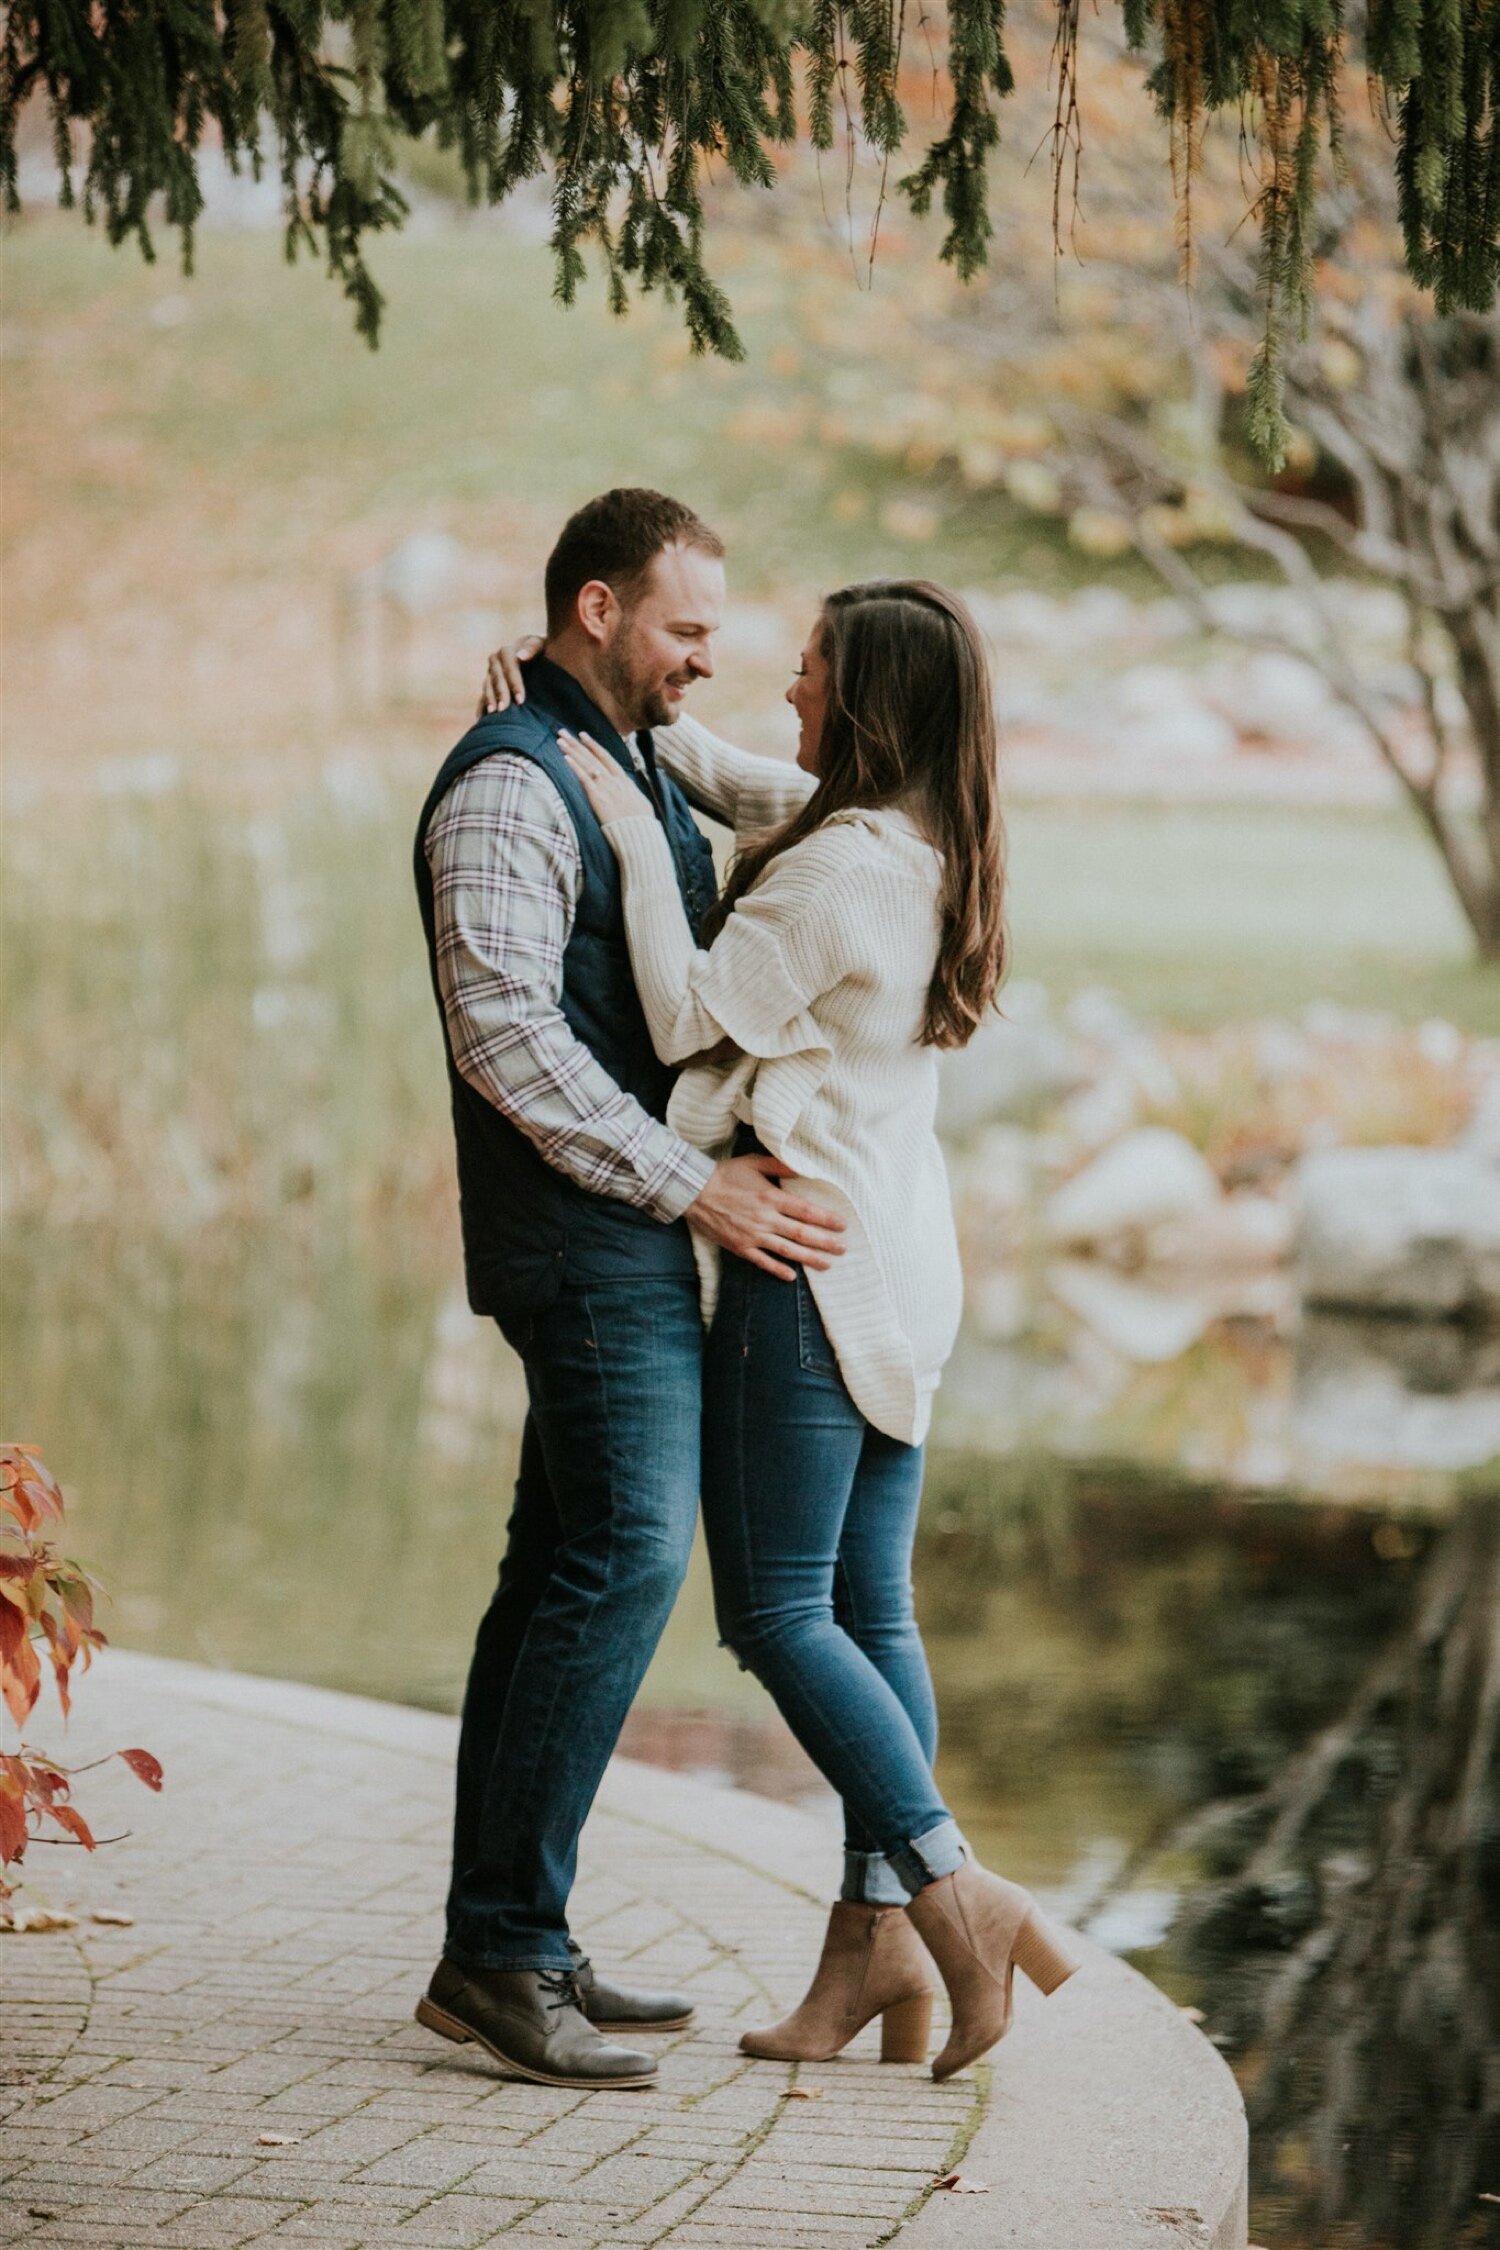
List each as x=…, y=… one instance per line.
x=46, y=1605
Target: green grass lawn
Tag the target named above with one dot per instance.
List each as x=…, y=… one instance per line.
x=1206, y=912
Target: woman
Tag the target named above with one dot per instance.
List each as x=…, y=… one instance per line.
x=859, y=933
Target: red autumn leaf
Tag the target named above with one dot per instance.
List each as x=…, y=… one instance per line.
x=31, y=1492
x=12, y=1630
x=20, y=1673
x=74, y=1822
x=59, y=1643
x=143, y=1766
x=12, y=1826
x=44, y=1781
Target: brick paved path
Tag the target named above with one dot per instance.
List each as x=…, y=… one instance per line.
x=241, y=2066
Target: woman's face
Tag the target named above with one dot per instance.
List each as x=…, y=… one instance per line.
x=808, y=697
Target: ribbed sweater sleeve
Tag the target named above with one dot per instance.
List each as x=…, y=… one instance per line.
x=750, y=794
x=791, y=938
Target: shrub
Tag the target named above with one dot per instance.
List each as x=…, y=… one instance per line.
x=46, y=1609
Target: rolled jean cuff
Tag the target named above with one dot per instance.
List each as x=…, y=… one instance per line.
x=926, y=1858
x=870, y=1880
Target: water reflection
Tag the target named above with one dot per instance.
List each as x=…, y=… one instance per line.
x=1264, y=1395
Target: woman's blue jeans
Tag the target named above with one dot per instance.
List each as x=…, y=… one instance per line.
x=810, y=1514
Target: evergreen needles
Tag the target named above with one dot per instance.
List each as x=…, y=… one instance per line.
x=625, y=102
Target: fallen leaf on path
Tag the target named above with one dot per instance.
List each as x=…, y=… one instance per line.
x=803, y=2094
x=113, y=1917
x=27, y=1920
x=961, y=2184
x=277, y=2140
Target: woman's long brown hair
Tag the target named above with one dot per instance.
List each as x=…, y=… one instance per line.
x=910, y=716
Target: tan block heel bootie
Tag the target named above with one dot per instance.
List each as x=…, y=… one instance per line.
x=979, y=1930
x=872, y=1964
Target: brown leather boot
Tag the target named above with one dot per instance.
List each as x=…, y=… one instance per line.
x=872, y=1964
x=979, y=1930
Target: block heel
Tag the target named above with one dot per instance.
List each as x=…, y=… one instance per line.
x=872, y=1964
x=1040, y=1955
x=905, y=2028
x=433, y=2018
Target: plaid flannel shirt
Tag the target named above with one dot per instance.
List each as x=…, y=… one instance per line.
x=506, y=875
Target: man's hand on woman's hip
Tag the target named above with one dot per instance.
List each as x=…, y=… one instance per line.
x=745, y=1208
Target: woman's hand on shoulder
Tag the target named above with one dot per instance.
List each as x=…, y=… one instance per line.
x=612, y=793
x=503, y=684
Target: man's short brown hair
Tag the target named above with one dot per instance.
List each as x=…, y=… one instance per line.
x=617, y=538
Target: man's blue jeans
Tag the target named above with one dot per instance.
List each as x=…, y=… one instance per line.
x=598, y=1543
x=810, y=1513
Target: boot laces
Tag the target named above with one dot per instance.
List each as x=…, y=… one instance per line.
x=562, y=1988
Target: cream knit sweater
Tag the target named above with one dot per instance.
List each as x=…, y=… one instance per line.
x=820, y=980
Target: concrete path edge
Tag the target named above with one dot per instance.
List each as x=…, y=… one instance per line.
x=1122, y=2108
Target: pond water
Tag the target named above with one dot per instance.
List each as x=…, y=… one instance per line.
x=1246, y=1738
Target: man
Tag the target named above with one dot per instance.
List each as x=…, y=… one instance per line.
x=576, y=1200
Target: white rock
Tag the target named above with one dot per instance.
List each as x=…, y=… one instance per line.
x=996, y=1305
x=1019, y=616
x=1245, y=1233
x=1100, y=1015
x=1104, y=613
x=1440, y=1042
x=1149, y=1327
x=1152, y=711
x=1272, y=695
x=1186, y=731
x=1149, y=1070
x=1249, y=606
x=1282, y=1050
x=1371, y=1391
x=1399, y=1230
x=1329, y=1022
x=993, y=1179
x=1021, y=701
x=1481, y=1136
x=1151, y=1175
x=1377, y=613
x=1008, y=1070
x=1096, y=1115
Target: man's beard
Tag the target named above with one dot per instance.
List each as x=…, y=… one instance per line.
x=640, y=702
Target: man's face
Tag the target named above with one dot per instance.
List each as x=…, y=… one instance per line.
x=663, y=641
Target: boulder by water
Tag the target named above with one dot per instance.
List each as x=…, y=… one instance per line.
x=1397, y=1393
x=1410, y=1230
x=1147, y=1177
x=1014, y=1068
